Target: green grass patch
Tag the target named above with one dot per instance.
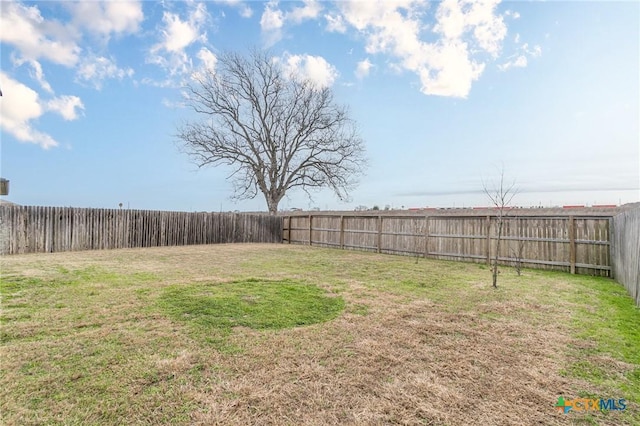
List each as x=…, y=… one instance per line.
x=12, y=283
x=255, y=303
x=609, y=317
x=608, y=321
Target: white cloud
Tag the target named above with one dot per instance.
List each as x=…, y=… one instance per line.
x=207, y=58
x=208, y=62
x=26, y=29
x=536, y=52
x=450, y=19
x=512, y=14
x=450, y=71
x=35, y=72
x=310, y=10
x=335, y=23
x=456, y=17
x=106, y=17
x=272, y=18
x=363, y=68
x=520, y=60
x=166, y=83
x=271, y=23
x=65, y=106
x=446, y=65
x=38, y=74
x=96, y=69
x=177, y=35
x=36, y=38
x=314, y=68
x=21, y=105
x=172, y=104
x=176, y=64
x=244, y=9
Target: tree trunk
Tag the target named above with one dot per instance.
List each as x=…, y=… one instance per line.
x=272, y=205
x=495, y=259
x=273, y=208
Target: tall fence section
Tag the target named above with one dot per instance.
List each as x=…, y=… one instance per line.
x=52, y=229
x=570, y=243
x=625, y=251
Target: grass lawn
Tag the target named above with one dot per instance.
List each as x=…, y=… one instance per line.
x=279, y=334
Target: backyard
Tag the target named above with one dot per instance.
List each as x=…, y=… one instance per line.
x=286, y=334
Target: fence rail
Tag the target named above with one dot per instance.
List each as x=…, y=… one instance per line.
x=30, y=229
x=576, y=244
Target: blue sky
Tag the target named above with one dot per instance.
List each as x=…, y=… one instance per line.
x=445, y=94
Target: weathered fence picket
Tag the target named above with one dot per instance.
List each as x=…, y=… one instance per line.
x=29, y=229
x=625, y=251
x=572, y=243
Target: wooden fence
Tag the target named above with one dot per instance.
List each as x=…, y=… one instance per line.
x=594, y=245
x=570, y=243
x=625, y=251
x=52, y=229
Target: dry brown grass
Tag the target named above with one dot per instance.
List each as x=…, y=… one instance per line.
x=397, y=366
x=417, y=344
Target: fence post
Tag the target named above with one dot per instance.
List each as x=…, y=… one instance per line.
x=341, y=232
x=572, y=244
x=426, y=236
x=488, y=243
x=310, y=227
x=609, y=254
x=379, y=234
x=284, y=228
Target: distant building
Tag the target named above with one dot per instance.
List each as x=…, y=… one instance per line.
x=4, y=186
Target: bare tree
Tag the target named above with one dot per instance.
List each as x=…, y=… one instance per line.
x=276, y=131
x=500, y=194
